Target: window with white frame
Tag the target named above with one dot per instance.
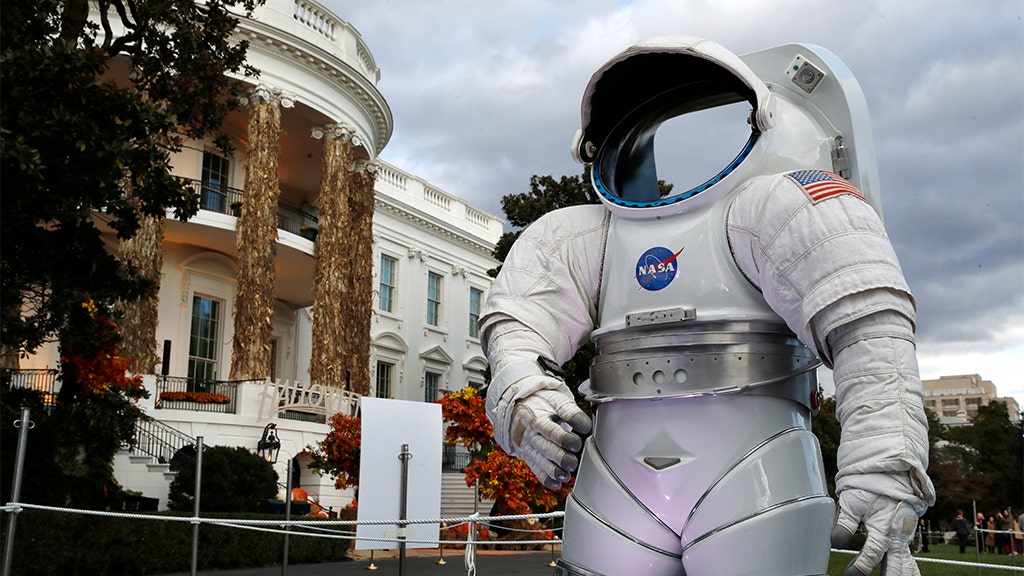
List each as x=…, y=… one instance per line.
x=216, y=170
x=204, y=338
x=475, y=297
x=433, y=299
x=431, y=385
x=388, y=270
x=384, y=375
x=273, y=358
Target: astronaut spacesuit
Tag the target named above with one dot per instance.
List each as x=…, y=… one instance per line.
x=710, y=308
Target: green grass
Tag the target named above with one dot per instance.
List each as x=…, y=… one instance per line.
x=837, y=563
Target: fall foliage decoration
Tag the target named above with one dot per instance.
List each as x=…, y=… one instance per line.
x=338, y=453
x=91, y=362
x=502, y=477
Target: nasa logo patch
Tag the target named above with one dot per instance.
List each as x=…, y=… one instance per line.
x=657, y=268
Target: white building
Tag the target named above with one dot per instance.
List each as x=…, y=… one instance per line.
x=430, y=254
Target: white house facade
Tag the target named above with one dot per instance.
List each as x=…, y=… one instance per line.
x=428, y=275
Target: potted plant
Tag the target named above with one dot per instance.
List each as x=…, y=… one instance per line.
x=309, y=232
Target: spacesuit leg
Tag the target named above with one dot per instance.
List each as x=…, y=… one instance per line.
x=729, y=484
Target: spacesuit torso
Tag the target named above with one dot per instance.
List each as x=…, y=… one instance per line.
x=686, y=345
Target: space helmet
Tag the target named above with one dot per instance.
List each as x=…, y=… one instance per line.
x=806, y=111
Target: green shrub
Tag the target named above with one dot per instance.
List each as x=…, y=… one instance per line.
x=234, y=480
x=62, y=544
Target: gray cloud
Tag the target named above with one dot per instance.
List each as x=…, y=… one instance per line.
x=486, y=94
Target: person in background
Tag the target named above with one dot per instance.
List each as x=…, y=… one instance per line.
x=1018, y=538
x=990, y=535
x=1004, y=538
x=962, y=529
x=979, y=531
x=922, y=533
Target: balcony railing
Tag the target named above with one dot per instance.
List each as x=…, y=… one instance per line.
x=44, y=381
x=227, y=200
x=454, y=458
x=156, y=439
x=195, y=394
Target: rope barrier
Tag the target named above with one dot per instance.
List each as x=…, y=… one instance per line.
x=318, y=524
x=924, y=559
x=470, y=542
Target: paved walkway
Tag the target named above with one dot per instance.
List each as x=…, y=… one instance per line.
x=417, y=562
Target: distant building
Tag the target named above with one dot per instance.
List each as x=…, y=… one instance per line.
x=955, y=399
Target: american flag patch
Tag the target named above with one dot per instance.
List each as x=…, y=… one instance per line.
x=821, y=185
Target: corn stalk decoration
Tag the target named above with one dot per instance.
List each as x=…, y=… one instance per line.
x=143, y=252
x=257, y=244
x=328, y=365
x=343, y=287
x=360, y=301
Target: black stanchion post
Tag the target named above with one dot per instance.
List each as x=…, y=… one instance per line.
x=287, y=514
x=372, y=566
x=403, y=507
x=24, y=424
x=195, y=504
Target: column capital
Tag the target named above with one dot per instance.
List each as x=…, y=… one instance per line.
x=263, y=93
x=367, y=166
x=341, y=131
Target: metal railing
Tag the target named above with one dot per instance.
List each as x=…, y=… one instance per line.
x=45, y=381
x=227, y=200
x=196, y=394
x=156, y=439
x=454, y=460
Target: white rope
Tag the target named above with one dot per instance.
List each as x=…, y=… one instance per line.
x=18, y=507
x=470, y=542
x=920, y=559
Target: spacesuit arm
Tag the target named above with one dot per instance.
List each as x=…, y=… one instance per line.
x=828, y=269
x=543, y=305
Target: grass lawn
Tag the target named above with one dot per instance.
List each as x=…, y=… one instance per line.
x=837, y=563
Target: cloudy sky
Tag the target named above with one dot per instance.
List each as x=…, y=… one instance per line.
x=486, y=93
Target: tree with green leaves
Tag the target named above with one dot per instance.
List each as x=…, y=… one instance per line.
x=95, y=97
x=987, y=459
x=92, y=106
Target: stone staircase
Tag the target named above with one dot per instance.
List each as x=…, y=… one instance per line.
x=457, y=499
x=144, y=473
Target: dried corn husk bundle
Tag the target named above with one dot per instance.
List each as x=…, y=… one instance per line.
x=361, y=292
x=139, y=318
x=257, y=243
x=329, y=365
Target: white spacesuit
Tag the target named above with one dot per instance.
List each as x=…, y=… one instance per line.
x=710, y=308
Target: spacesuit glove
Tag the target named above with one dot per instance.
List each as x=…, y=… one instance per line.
x=890, y=525
x=541, y=436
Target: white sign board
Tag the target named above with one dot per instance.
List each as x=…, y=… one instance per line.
x=387, y=426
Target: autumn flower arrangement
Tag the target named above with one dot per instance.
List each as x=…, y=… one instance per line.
x=199, y=397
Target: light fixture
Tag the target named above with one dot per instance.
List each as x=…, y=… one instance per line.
x=269, y=445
